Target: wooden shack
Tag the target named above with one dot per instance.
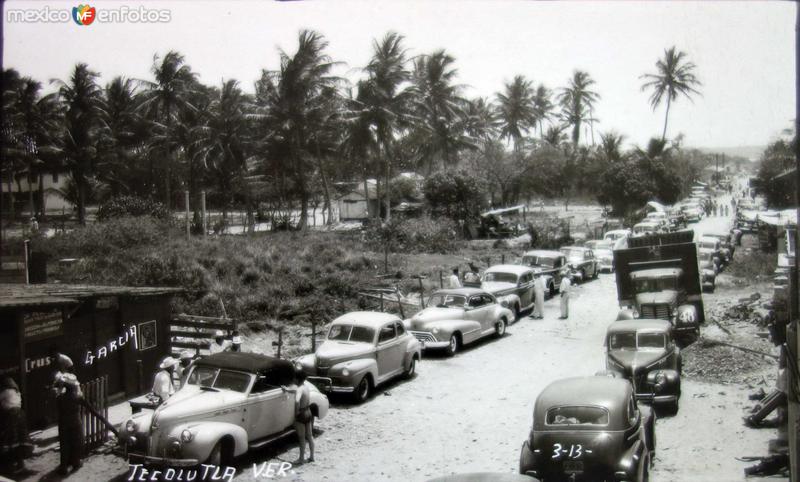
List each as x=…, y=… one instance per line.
x=120, y=333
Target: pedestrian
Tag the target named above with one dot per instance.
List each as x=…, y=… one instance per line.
x=34, y=226
x=162, y=382
x=539, y=287
x=70, y=430
x=715, y=209
x=566, y=286
x=15, y=444
x=455, y=282
x=303, y=418
x=220, y=343
x=236, y=343
x=185, y=362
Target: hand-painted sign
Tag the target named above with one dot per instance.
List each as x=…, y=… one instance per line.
x=38, y=325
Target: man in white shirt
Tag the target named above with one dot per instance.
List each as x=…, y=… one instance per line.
x=455, y=282
x=162, y=384
x=566, y=286
x=220, y=344
x=539, y=287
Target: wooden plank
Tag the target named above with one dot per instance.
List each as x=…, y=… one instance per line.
x=181, y=344
x=185, y=317
x=202, y=325
x=190, y=334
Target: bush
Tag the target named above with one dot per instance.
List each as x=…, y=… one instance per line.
x=414, y=235
x=752, y=265
x=103, y=238
x=122, y=206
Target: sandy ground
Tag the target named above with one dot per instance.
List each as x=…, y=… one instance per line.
x=473, y=411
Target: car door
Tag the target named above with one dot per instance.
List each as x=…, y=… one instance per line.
x=592, y=261
x=269, y=409
x=525, y=290
x=388, y=351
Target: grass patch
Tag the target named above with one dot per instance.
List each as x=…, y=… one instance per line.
x=752, y=264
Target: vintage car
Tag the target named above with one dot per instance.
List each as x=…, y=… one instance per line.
x=484, y=477
x=726, y=244
x=710, y=243
x=709, y=268
x=616, y=234
x=581, y=261
x=645, y=228
x=659, y=218
x=457, y=317
x=362, y=350
x=512, y=285
x=644, y=352
x=692, y=212
x=231, y=402
x=605, y=257
x=552, y=265
x=589, y=429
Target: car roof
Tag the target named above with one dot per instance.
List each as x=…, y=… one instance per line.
x=509, y=268
x=581, y=248
x=249, y=362
x=543, y=252
x=639, y=325
x=646, y=273
x=710, y=238
x=619, y=231
x=466, y=291
x=372, y=319
x=608, y=392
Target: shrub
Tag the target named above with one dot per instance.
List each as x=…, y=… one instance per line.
x=414, y=235
x=122, y=206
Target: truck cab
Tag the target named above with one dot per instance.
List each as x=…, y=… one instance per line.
x=660, y=294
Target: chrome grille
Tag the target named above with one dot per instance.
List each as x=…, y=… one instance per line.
x=322, y=371
x=424, y=336
x=660, y=312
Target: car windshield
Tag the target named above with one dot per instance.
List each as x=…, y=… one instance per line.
x=603, y=252
x=648, y=285
x=652, y=340
x=572, y=252
x=210, y=377
x=352, y=333
x=442, y=300
x=622, y=341
x=543, y=261
x=500, y=277
x=577, y=416
x=708, y=245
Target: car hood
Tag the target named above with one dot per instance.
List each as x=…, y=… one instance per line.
x=428, y=315
x=331, y=352
x=659, y=297
x=574, y=260
x=191, y=401
x=496, y=287
x=633, y=360
x=541, y=269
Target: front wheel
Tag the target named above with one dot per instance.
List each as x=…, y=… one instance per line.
x=517, y=312
x=220, y=455
x=411, y=369
x=363, y=390
x=452, y=347
x=500, y=328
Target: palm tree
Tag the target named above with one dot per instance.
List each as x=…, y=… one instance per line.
x=516, y=109
x=387, y=99
x=611, y=146
x=542, y=106
x=122, y=135
x=577, y=103
x=164, y=99
x=438, y=109
x=480, y=119
x=674, y=77
x=81, y=99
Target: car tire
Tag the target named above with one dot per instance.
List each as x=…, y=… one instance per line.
x=453, y=346
x=552, y=289
x=412, y=368
x=595, y=272
x=500, y=328
x=363, y=390
x=219, y=455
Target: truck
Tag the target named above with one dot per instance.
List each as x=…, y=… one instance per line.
x=658, y=278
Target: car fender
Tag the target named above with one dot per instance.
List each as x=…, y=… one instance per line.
x=611, y=373
x=672, y=380
x=501, y=312
x=206, y=435
x=307, y=363
x=319, y=399
x=509, y=300
x=630, y=460
x=448, y=327
x=413, y=348
x=357, y=368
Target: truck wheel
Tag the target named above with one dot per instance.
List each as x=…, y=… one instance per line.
x=221, y=455
x=363, y=389
x=452, y=347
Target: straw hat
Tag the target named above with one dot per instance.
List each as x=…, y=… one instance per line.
x=219, y=334
x=237, y=340
x=186, y=355
x=64, y=361
x=168, y=362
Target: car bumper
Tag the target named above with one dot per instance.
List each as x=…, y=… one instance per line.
x=162, y=461
x=657, y=399
x=325, y=385
x=428, y=340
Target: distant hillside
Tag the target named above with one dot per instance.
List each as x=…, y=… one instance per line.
x=748, y=152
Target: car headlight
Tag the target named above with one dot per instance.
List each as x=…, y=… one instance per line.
x=187, y=436
x=346, y=372
x=130, y=426
x=435, y=331
x=504, y=303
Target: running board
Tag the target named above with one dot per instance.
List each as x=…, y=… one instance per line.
x=257, y=444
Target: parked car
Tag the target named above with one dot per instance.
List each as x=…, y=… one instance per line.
x=552, y=265
x=709, y=243
x=231, y=402
x=512, y=285
x=726, y=244
x=619, y=237
x=645, y=227
x=589, y=429
x=362, y=350
x=457, y=317
x=581, y=261
x=605, y=257
x=659, y=218
x=709, y=269
x=645, y=353
x=692, y=212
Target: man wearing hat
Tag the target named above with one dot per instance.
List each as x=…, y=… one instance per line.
x=236, y=343
x=182, y=370
x=220, y=343
x=162, y=384
x=70, y=430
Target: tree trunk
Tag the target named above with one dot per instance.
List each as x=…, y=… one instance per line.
x=387, y=174
x=666, y=118
x=366, y=186
x=576, y=133
x=325, y=189
x=42, y=206
x=80, y=183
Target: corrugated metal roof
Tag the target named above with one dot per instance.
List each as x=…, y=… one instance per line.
x=20, y=295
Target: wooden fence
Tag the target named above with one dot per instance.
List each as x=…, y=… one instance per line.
x=197, y=332
x=95, y=428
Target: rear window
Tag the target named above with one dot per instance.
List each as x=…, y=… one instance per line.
x=577, y=416
x=500, y=277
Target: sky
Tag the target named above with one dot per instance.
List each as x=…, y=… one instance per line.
x=744, y=51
